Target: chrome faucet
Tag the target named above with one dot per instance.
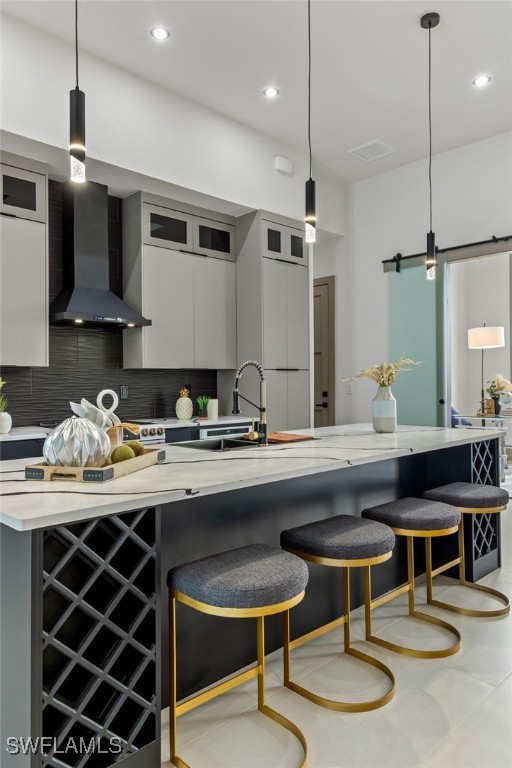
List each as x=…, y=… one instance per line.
x=262, y=424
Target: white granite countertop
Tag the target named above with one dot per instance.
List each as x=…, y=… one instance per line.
x=29, y=504
x=38, y=433
x=26, y=433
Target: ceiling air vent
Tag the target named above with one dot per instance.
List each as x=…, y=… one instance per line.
x=373, y=150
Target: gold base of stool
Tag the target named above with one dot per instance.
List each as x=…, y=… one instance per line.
x=339, y=706
x=407, y=588
x=257, y=671
x=479, y=613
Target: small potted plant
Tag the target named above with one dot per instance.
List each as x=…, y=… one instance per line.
x=5, y=418
x=384, y=404
x=498, y=386
x=202, y=404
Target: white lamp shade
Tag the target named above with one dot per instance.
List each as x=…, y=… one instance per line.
x=488, y=337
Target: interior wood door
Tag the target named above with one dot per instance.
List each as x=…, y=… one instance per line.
x=323, y=320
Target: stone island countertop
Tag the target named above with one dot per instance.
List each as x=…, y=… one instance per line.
x=187, y=472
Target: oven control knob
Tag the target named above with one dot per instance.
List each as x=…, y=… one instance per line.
x=143, y=432
x=160, y=430
x=152, y=431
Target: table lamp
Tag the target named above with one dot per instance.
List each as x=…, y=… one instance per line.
x=487, y=337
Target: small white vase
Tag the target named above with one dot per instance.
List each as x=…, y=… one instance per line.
x=5, y=422
x=184, y=408
x=384, y=411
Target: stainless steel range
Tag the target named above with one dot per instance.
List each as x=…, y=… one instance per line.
x=151, y=431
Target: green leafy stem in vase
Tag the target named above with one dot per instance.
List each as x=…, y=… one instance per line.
x=202, y=403
x=499, y=386
x=3, y=400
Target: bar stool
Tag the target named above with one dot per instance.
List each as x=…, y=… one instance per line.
x=250, y=582
x=470, y=499
x=342, y=542
x=411, y=517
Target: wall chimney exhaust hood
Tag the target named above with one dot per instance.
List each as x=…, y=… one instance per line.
x=86, y=297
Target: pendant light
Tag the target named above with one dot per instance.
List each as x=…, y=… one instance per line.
x=77, y=121
x=429, y=21
x=310, y=217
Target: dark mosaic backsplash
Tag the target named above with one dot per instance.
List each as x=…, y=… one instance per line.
x=83, y=362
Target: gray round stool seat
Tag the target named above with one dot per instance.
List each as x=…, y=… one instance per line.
x=470, y=499
x=410, y=514
x=345, y=542
x=250, y=582
x=411, y=518
x=469, y=495
x=343, y=537
x=248, y=577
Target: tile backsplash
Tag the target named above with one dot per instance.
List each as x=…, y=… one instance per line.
x=83, y=362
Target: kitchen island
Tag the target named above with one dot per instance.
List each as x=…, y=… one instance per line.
x=84, y=565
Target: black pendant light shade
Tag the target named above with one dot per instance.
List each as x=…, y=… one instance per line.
x=310, y=217
x=310, y=214
x=77, y=121
x=429, y=21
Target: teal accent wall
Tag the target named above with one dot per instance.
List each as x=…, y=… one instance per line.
x=412, y=333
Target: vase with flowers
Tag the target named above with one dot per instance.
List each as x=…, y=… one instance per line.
x=498, y=386
x=5, y=418
x=384, y=404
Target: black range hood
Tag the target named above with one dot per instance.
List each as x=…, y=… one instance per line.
x=86, y=297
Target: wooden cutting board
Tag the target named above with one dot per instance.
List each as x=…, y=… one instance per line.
x=284, y=437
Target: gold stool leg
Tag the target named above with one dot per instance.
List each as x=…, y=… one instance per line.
x=264, y=708
x=178, y=762
x=405, y=650
x=462, y=580
x=339, y=706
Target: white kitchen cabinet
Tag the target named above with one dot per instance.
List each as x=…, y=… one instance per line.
x=285, y=315
x=23, y=292
x=23, y=192
x=168, y=284
x=214, y=313
x=191, y=301
x=284, y=243
x=273, y=317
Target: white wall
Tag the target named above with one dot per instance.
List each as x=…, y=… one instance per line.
x=479, y=293
x=386, y=214
x=134, y=124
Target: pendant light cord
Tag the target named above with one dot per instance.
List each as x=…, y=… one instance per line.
x=76, y=40
x=309, y=88
x=430, y=122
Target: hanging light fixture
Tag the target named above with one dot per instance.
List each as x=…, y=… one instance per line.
x=310, y=217
x=77, y=121
x=429, y=21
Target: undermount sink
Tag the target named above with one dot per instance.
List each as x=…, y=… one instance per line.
x=220, y=444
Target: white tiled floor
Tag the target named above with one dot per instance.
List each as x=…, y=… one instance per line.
x=446, y=713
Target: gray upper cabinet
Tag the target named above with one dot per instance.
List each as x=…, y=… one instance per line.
x=273, y=315
x=214, y=313
x=167, y=228
x=23, y=263
x=283, y=242
x=170, y=228
x=169, y=277
x=23, y=193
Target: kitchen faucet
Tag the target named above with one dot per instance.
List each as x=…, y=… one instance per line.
x=262, y=424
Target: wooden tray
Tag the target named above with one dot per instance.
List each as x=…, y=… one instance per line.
x=95, y=474
x=283, y=437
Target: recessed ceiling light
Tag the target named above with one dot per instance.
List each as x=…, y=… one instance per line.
x=481, y=81
x=160, y=33
x=271, y=92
